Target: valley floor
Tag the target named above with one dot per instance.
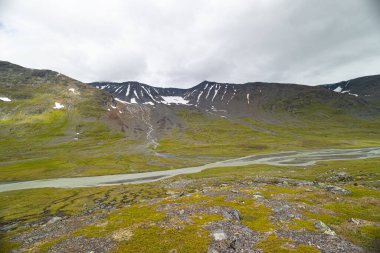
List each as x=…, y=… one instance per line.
x=332, y=206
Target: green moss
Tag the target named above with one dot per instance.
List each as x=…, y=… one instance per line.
x=271, y=190
x=367, y=211
x=6, y=245
x=253, y=215
x=370, y=231
x=183, y=238
x=278, y=245
x=44, y=247
x=298, y=224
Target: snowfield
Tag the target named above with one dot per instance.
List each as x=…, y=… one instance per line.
x=5, y=99
x=174, y=100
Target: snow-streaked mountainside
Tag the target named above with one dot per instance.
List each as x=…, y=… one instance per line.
x=238, y=99
x=212, y=94
x=366, y=87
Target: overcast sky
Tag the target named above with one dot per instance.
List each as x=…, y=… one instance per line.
x=181, y=43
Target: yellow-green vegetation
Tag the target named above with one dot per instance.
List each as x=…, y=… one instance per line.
x=254, y=215
x=38, y=141
x=272, y=244
x=212, y=136
x=136, y=221
x=298, y=224
x=30, y=205
x=192, y=237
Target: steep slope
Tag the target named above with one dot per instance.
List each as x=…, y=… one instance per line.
x=263, y=100
x=139, y=93
x=54, y=126
x=366, y=87
x=131, y=92
x=253, y=98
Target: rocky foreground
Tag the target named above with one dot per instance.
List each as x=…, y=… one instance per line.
x=217, y=213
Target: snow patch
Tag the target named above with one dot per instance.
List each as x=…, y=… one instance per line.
x=121, y=101
x=174, y=100
x=248, y=97
x=73, y=91
x=148, y=103
x=338, y=89
x=200, y=94
x=127, y=93
x=118, y=89
x=58, y=106
x=225, y=90
x=133, y=100
x=208, y=93
x=5, y=99
x=216, y=92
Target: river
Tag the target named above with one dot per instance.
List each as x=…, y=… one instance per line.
x=290, y=158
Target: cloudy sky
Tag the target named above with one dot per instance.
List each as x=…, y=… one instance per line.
x=181, y=43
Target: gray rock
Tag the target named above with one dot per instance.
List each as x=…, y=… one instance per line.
x=257, y=195
x=9, y=227
x=281, y=208
x=219, y=235
x=324, y=228
x=54, y=220
x=232, y=215
x=337, y=190
x=355, y=221
x=212, y=250
x=341, y=176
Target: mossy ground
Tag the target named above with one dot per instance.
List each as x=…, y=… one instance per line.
x=40, y=142
x=212, y=136
x=138, y=223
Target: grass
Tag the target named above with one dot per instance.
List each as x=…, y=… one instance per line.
x=212, y=136
x=272, y=244
x=191, y=238
x=39, y=142
x=135, y=220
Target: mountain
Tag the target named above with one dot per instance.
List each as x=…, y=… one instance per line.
x=366, y=87
x=54, y=126
x=138, y=93
x=235, y=100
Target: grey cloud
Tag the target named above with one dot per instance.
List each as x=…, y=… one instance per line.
x=181, y=43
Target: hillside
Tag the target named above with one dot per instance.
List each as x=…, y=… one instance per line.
x=366, y=87
x=55, y=126
x=249, y=99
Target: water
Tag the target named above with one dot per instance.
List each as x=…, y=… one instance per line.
x=291, y=158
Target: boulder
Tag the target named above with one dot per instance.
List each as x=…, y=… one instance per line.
x=232, y=215
x=219, y=235
x=324, y=228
